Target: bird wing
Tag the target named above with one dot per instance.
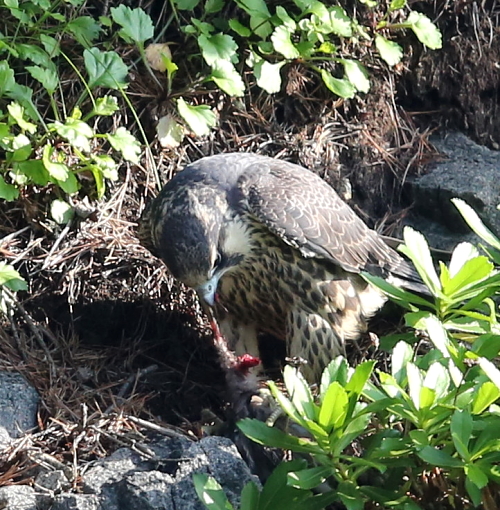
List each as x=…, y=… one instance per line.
x=304, y=211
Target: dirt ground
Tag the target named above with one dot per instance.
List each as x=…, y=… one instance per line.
x=104, y=329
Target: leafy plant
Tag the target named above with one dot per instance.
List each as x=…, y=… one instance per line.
x=10, y=282
x=374, y=436
x=41, y=153
x=311, y=32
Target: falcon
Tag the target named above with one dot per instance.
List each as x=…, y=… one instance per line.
x=271, y=248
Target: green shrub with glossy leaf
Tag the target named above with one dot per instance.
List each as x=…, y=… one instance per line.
x=374, y=437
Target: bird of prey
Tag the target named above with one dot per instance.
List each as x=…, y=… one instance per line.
x=271, y=248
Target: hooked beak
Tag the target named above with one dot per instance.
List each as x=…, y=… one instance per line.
x=208, y=290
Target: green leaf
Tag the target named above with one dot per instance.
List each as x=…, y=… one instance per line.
x=107, y=166
x=490, y=370
x=333, y=409
x=218, y=47
x=282, y=43
x=9, y=277
x=199, y=118
x=21, y=147
x=240, y=29
x=263, y=434
x=186, y=5
x=105, y=106
x=415, y=383
x=126, y=143
x=417, y=249
x=213, y=6
x=135, y=23
x=227, y=78
x=359, y=378
x=472, y=272
x=419, y=437
x=461, y=254
x=487, y=394
x=389, y=51
x=487, y=346
x=299, y=391
x=16, y=111
x=210, y=492
x=85, y=29
x=351, y=496
x=476, y=475
x=77, y=132
x=250, y=496
x=105, y=69
x=341, y=87
x=425, y=30
x=474, y=492
x=268, y=75
x=396, y=4
x=56, y=170
x=475, y=223
x=357, y=74
x=309, y=478
x=61, y=211
x=170, y=133
x=285, y=18
x=402, y=354
x=461, y=429
x=438, y=458
x=69, y=185
x=438, y=379
x=340, y=22
x=46, y=77
x=336, y=370
x=51, y=45
x=7, y=81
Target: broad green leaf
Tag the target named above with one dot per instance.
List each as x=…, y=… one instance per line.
x=186, y=5
x=476, y=475
x=333, y=409
x=56, y=169
x=299, y=392
x=16, y=111
x=438, y=458
x=98, y=179
x=341, y=87
x=47, y=77
x=389, y=51
x=227, y=78
x=250, y=497
x=357, y=74
x=419, y=437
x=213, y=6
x=461, y=254
x=170, y=133
x=472, y=272
x=474, y=492
x=425, y=30
x=35, y=54
x=107, y=166
x=85, y=29
x=487, y=346
x=336, y=370
x=490, y=370
x=210, y=492
x=360, y=376
x=199, y=118
x=105, y=69
x=475, y=223
x=309, y=478
x=21, y=148
x=282, y=43
x=263, y=434
x=417, y=249
x=437, y=379
x=340, y=22
x=51, y=45
x=276, y=494
x=69, y=185
x=77, y=132
x=240, y=29
x=487, y=394
x=218, y=47
x=268, y=75
x=126, y=143
x=427, y=398
x=351, y=496
x=61, y=211
x=7, y=81
x=9, y=277
x=135, y=23
x=401, y=355
x=397, y=4
x=105, y=106
x=285, y=18
x=461, y=429
x=414, y=383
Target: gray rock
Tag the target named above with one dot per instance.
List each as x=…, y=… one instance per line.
x=78, y=502
x=18, y=404
x=17, y=497
x=468, y=171
x=146, y=491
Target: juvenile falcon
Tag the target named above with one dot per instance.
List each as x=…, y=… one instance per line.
x=271, y=248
